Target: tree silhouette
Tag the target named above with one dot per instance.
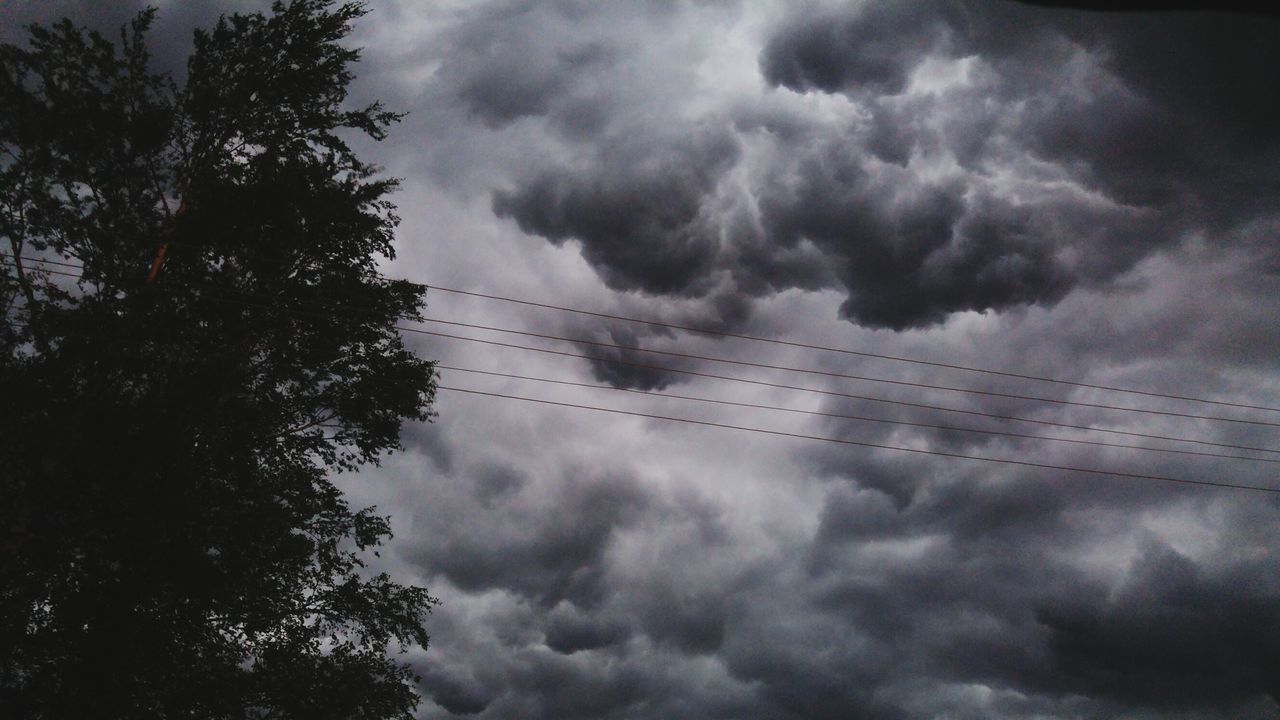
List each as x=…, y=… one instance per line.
x=171, y=541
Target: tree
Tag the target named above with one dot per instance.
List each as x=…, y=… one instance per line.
x=171, y=540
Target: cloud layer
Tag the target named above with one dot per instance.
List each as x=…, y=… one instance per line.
x=1089, y=197
x=969, y=158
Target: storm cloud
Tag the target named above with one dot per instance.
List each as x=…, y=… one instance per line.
x=1042, y=191
x=1075, y=195
x=927, y=158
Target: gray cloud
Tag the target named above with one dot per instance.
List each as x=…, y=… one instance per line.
x=548, y=550
x=1175, y=634
x=170, y=39
x=900, y=165
x=629, y=368
x=515, y=61
x=1057, y=135
x=1102, y=187
x=873, y=47
x=1136, y=130
x=569, y=630
x=643, y=209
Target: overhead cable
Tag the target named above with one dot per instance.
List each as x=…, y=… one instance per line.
x=841, y=416
x=869, y=398
x=879, y=446
x=810, y=346
x=847, y=351
x=835, y=393
x=847, y=376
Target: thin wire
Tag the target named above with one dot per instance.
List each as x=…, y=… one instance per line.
x=797, y=388
x=757, y=406
x=57, y=272
x=879, y=446
x=779, y=433
x=43, y=260
x=834, y=393
x=846, y=351
x=844, y=376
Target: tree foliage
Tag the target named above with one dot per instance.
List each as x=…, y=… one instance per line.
x=171, y=541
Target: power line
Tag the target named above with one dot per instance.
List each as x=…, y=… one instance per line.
x=846, y=351
x=758, y=406
x=54, y=272
x=869, y=398
x=879, y=446
x=845, y=376
x=47, y=261
x=835, y=393
x=858, y=353
x=1094, y=471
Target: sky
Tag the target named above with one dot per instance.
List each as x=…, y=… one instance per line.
x=1085, y=197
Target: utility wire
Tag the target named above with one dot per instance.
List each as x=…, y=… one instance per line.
x=51, y=272
x=840, y=416
x=798, y=388
x=845, y=376
x=834, y=393
x=825, y=373
x=879, y=446
x=845, y=351
x=842, y=441
x=47, y=261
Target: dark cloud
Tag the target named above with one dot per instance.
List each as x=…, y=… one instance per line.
x=875, y=49
x=632, y=369
x=995, y=604
x=1174, y=635
x=686, y=614
x=912, y=253
x=456, y=696
x=618, y=353
x=641, y=208
x=547, y=551
x=1156, y=117
x=569, y=630
x=512, y=62
x=555, y=688
x=1147, y=6
x=1194, y=118
x=1066, y=148
x=794, y=684
x=1099, y=186
x=1102, y=186
x=170, y=37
